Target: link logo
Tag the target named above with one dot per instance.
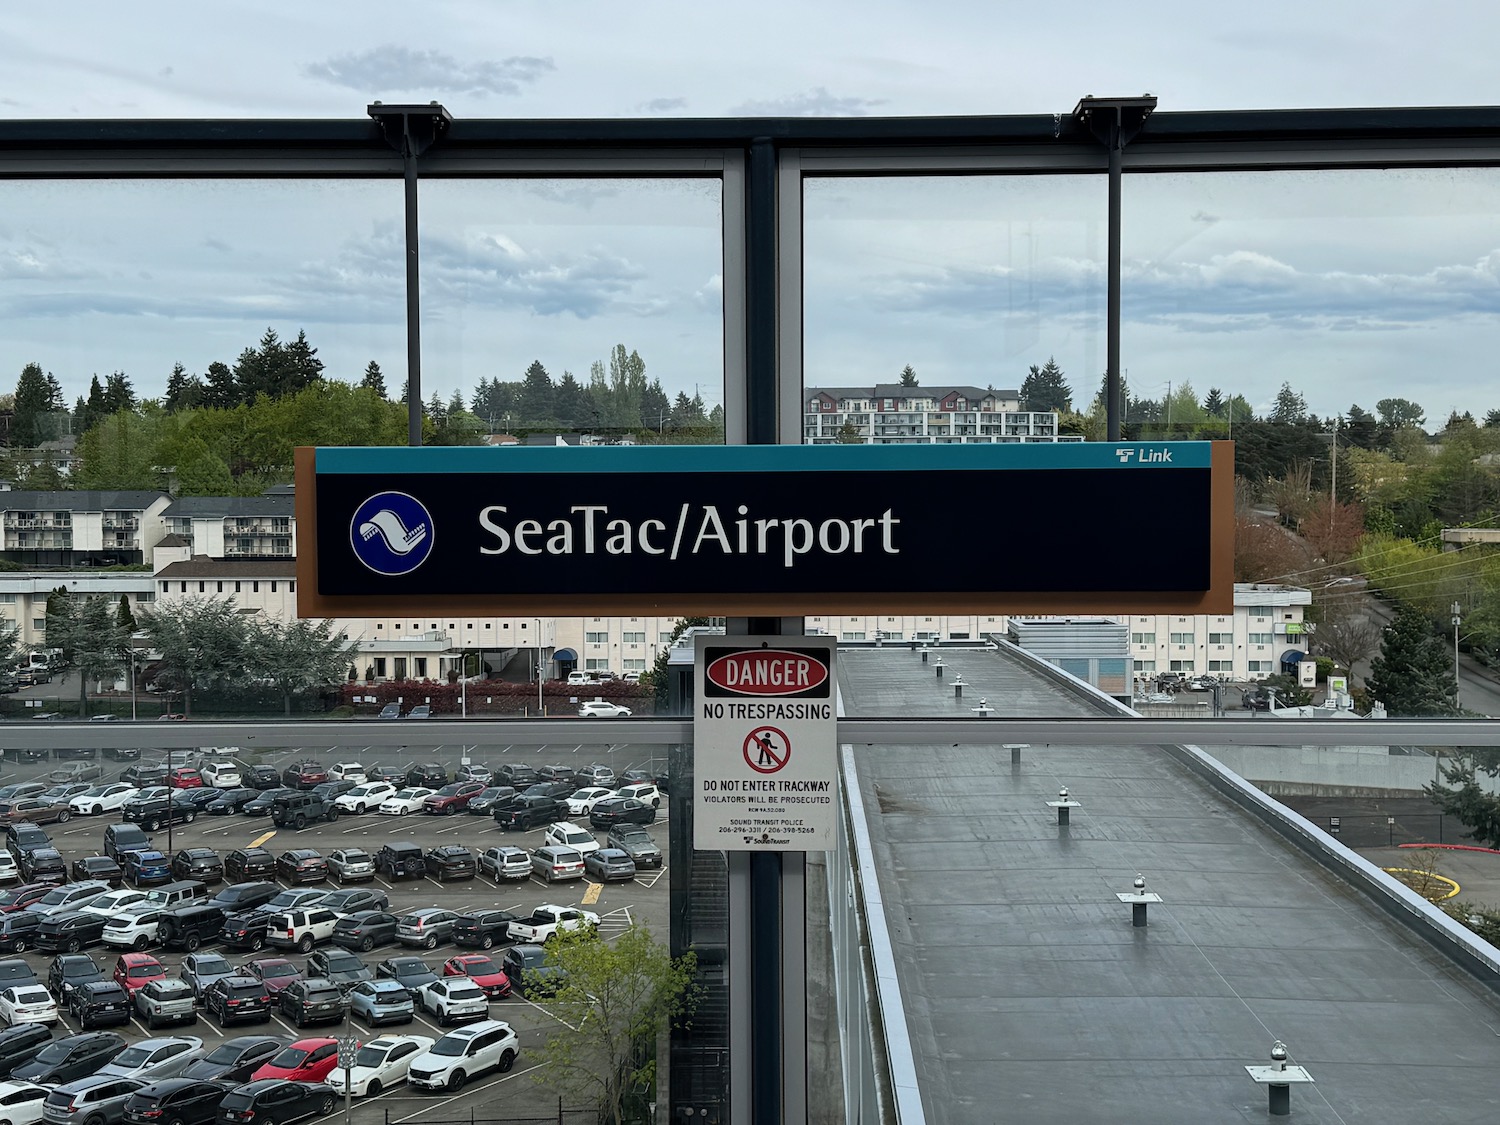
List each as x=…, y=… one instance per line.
x=391, y=533
x=1145, y=456
x=1124, y=455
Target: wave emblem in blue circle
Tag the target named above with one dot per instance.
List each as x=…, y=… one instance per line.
x=391, y=533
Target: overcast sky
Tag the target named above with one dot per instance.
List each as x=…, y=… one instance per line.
x=1353, y=287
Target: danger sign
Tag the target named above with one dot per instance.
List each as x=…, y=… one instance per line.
x=765, y=759
x=767, y=749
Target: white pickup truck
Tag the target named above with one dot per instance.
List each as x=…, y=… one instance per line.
x=545, y=921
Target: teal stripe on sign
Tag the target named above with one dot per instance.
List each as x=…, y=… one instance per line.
x=1145, y=456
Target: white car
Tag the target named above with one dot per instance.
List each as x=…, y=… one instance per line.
x=380, y=1064
x=346, y=771
x=134, y=927
x=27, y=1003
x=452, y=1000
x=363, y=798
x=566, y=834
x=21, y=1102
x=465, y=1053
x=405, y=801
x=221, y=775
x=10, y=871
x=155, y=1059
x=110, y=797
x=582, y=802
x=603, y=709
x=111, y=903
x=644, y=792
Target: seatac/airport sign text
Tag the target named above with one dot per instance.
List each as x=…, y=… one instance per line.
x=765, y=530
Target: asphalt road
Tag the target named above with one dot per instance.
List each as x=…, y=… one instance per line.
x=516, y=1094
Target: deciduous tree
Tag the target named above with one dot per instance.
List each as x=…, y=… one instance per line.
x=201, y=642
x=296, y=656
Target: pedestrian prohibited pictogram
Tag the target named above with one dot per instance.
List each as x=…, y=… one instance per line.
x=767, y=749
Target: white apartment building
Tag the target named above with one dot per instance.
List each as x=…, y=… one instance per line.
x=890, y=414
x=231, y=527
x=79, y=529
x=23, y=597
x=1266, y=632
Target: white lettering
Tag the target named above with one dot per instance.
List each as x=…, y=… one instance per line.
x=502, y=537
x=711, y=519
x=646, y=525
x=589, y=511
x=887, y=524
x=523, y=529
x=843, y=530
x=561, y=540
x=793, y=548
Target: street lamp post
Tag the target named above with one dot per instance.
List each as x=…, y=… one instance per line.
x=1457, y=621
x=132, y=684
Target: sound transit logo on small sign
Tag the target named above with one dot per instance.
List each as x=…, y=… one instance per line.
x=391, y=533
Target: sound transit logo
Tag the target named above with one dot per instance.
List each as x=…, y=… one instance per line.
x=391, y=533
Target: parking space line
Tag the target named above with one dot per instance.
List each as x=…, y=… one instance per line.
x=478, y=1089
x=294, y=1034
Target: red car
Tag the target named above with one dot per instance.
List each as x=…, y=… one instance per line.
x=275, y=972
x=19, y=898
x=453, y=798
x=482, y=971
x=134, y=971
x=185, y=777
x=307, y=1060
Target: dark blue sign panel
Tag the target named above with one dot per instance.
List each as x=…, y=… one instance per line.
x=765, y=529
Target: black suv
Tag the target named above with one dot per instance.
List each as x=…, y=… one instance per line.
x=483, y=928
x=261, y=777
x=70, y=932
x=182, y=1101
x=43, y=865
x=517, y=775
x=154, y=812
x=98, y=867
x=312, y=1001
x=395, y=861
x=428, y=774
x=99, y=1003
x=235, y=1060
x=22, y=838
x=238, y=999
x=245, y=864
x=145, y=774
x=531, y=812
x=298, y=810
x=69, y=972
x=558, y=789
x=304, y=775
x=20, y=1043
x=202, y=864
x=18, y=930
x=451, y=861
x=245, y=896
x=74, y=1056
x=277, y=1101
x=189, y=926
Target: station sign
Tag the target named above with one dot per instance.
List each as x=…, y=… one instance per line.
x=766, y=530
x=765, y=744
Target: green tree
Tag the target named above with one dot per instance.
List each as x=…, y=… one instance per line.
x=536, y=395
x=183, y=390
x=657, y=677
x=124, y=619
x=221, y=388
x=298, y=657
x=1044, y=388
x=300, y=367
x=1464, y=799
x=570, y=403
x=908, y=376
x=1492, y=419
x=119, y=394
x=33, y=401
x=91, y=640
x=374, y=379
x=1214, y=405
x=849, y=434
x=1289, y=409
x=201, y=642
x=616, y=999
x=1360, y=428
x=1413, y=675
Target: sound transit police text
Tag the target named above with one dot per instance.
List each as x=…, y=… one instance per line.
x=694, y=531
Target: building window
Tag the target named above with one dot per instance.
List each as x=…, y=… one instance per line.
x=7, y=599
x=958, y=636
x=890, y=634
x=1260, y=638
x=1182, y=665
x=236, y=587
x=1182, y=638
x=291, y=587
x=596, y=638
x=1259, y=611
x=421, y=663
x=596, y=664
x=1221, y=665
x=273, y=587
x=380, y=667
x=1145, y=666
x=635, y=638
x=202, y=587
x=1143, y=638
x=853, y=636
x=163, y=587
x=1221, y=638
x=148, y=596
x=39, y=624
x=1260, y=666
x=220, y=586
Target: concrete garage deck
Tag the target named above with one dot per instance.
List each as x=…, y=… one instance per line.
x=1029, y=996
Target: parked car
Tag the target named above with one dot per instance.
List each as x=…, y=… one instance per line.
x=380, y=1064
x=635, y=842
x=603, y=709
x=482, y=971
x=452, y=798
x=222, y=775
x=473, y=771
x=156, y=1058
x=22, y=838
x=427, y=927
x=450, y=1000
x=234, y=1060
x=133, y=971
x=420, y=711
x=16, y=970
x=147, y=868
x=365, y=797
x=10, y=870
x=560, y=790
x=69, y=931
x=505, y=863
x=238, y=999
x=276, y=1101
x=309, y=1001
x=98, y=867
x=261, y=777
x=301, y=928
x=199, y=971
x=143, y=774
x=261, y=806
x=97, y=1098
x=365, y=929
x=112, y=902
x=185, y=777
x=381, y=1001
x=450, y=861
x=566, y=834
x=304, y=775
x=246, y=864
x=484, y=929
x=427, y=775
x=69, y=896
x=485, y=801
x=275, y=972
x=306, y=1060
x=530, y=812
x=19, y=1045
x=43, y=865
x=582, y=802
x=622, y=810
x=27, y=1003
x=397, y=861
x=154, y=808
x=179, y=1101
x=643, y=791
x=237, y=897
x=122, y=838
x=409, y=972
x=390, y=711
x=529, y=971
x=298, y=810
x=351, y=865
x=18, y=931
x=99, y=1003
x=405, y=801
x=135, y=926
x=302, y=865
x=190, y=925
x=198, y=863
x=21, y=1102
x=340, y=966
x=609, y=865
x=392, y=775
x=347, y=771
x=19, y=898
x=165, y=1001
x=553, y=864
x=34, y=810
x=516, y=774
x=70, y=1057
x=228, y=802
x=463, y=1054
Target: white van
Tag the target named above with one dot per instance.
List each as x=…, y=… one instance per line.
x=579, y=679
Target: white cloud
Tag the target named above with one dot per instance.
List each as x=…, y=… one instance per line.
x=815, y=103
x=393, y=68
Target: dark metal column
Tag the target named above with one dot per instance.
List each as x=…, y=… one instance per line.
x=410, y=130
x=1114, y=122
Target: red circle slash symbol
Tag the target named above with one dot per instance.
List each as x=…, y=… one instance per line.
x=767, y=749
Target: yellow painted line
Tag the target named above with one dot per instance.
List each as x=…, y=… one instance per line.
x=262, y=838
x=1426, y=875
x=591, y=895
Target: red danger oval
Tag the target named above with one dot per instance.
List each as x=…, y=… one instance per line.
x=767, y=671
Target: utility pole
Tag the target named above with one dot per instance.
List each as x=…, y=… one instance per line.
x=1457, y=621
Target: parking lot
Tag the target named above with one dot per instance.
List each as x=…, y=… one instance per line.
x=516, y=1094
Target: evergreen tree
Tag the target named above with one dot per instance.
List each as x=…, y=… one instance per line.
x=300, y=367
x=908, y=376
x=118, y=394
x=178, y=389
x=373, y=378
x=1413, y=675
x=80, y=415
x=1491, y=419
x=124, y=619
x=656, y=407
x=1471, y=804
x=1290, y=408
x=456, y=404
x=849, y=435
x=33, y=401
x=222, y=389
x=536, y=395
x=1360, y=428
x=1045, y=388
x=1214, y=405
x=95, y=408
x=570, y=403
x=435, y=409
